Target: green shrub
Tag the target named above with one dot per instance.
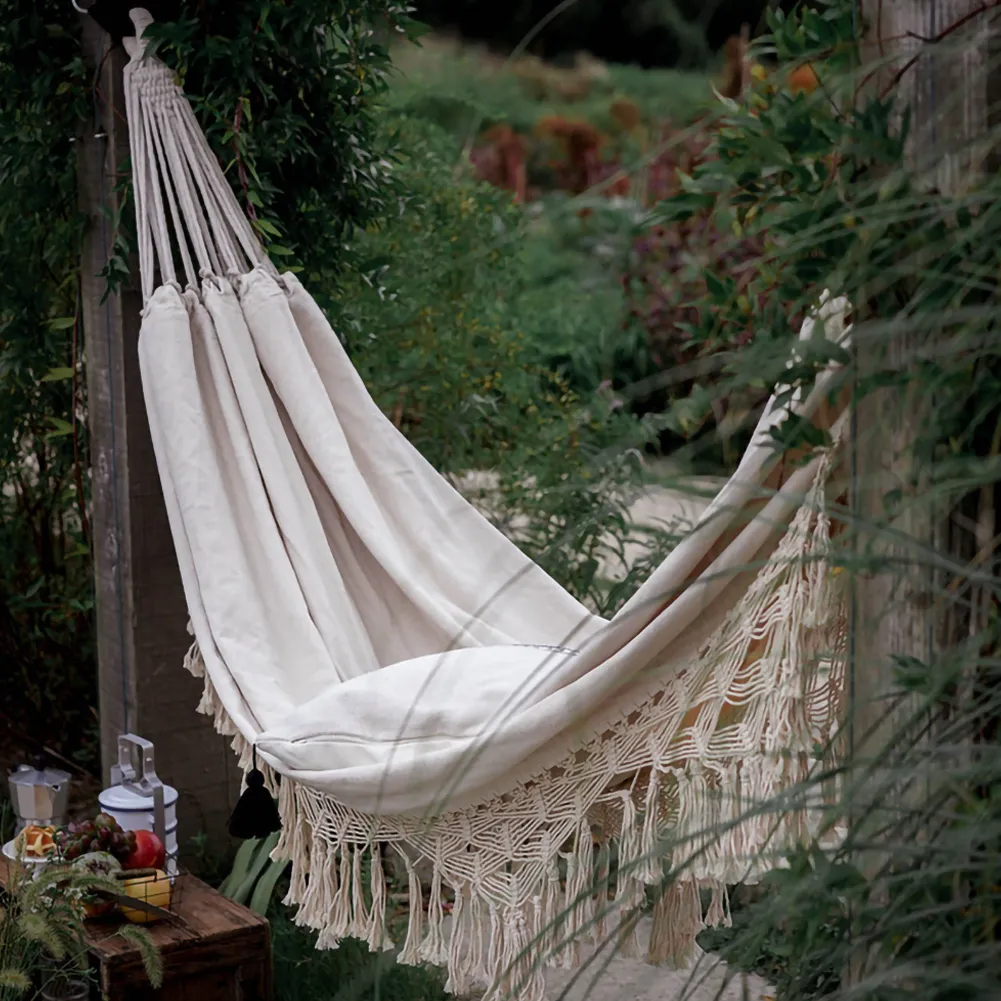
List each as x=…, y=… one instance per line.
x=452, y=341
x=465, y=90
x=46, y=640
x=905, y=905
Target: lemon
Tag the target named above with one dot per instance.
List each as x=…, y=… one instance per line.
x=154, y=889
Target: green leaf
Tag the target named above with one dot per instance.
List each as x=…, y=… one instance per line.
x=62, y=323
x=241, y=866
x=260, y=901
x=261, y=858
x=60, y=427
x=721, y=289
x=57, y=375
x=268, y=228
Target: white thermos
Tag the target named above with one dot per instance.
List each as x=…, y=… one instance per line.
x=138, y=800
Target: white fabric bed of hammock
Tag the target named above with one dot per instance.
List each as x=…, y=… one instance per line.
x=419, y=689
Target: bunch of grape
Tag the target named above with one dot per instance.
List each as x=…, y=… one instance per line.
x=102, y=834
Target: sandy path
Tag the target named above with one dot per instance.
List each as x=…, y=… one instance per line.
x=625, y=979
x=673, y=508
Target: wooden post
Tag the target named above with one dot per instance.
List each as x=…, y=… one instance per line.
x=935, y=55
x=944, y=83
x=141, y=612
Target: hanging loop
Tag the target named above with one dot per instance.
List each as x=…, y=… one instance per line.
x=141, y=19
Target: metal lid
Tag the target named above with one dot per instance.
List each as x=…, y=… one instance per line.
x=37, y=774
x=120, y=798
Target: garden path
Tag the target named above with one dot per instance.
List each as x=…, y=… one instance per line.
x=673, y=504
x=626, y=979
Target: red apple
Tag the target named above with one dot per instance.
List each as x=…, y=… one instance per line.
x=148, y=853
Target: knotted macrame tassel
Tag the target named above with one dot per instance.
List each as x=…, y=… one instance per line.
x=550, y=924
x=313, y=905
x=340, y=913
x=568, y=952
x=495, y=950
x=602, y=886
x=410, y=954
x=359, y=913
x=523, y=976
x=479, y=928
x=719, y=908
x=677, y=920
x=580, y=890
x=649, y=866
x=378, y=934
x=256, y=813
x=434, y=950
x=460, y=957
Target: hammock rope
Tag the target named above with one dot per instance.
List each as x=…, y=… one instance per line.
x=173, y=161
x=425, y=699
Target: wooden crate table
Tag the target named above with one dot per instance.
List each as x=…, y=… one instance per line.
x=222, y=952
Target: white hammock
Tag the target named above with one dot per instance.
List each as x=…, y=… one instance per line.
x=409, y=676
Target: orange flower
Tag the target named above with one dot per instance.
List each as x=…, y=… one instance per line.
x=803, y=79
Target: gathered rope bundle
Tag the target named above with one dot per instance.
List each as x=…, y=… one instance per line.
x=425, y=699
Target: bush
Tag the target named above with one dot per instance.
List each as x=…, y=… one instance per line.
x=448, y=339
x=903, y=902
x=46, y=639
x=284, y=92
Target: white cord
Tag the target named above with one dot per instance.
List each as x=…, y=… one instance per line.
x=179, y=186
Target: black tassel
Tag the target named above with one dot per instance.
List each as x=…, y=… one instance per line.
x=256, y=812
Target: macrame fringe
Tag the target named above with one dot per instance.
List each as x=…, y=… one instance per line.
x=528, y=885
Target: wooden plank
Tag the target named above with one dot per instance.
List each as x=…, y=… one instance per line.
x=198, y=963
x=141, y=612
